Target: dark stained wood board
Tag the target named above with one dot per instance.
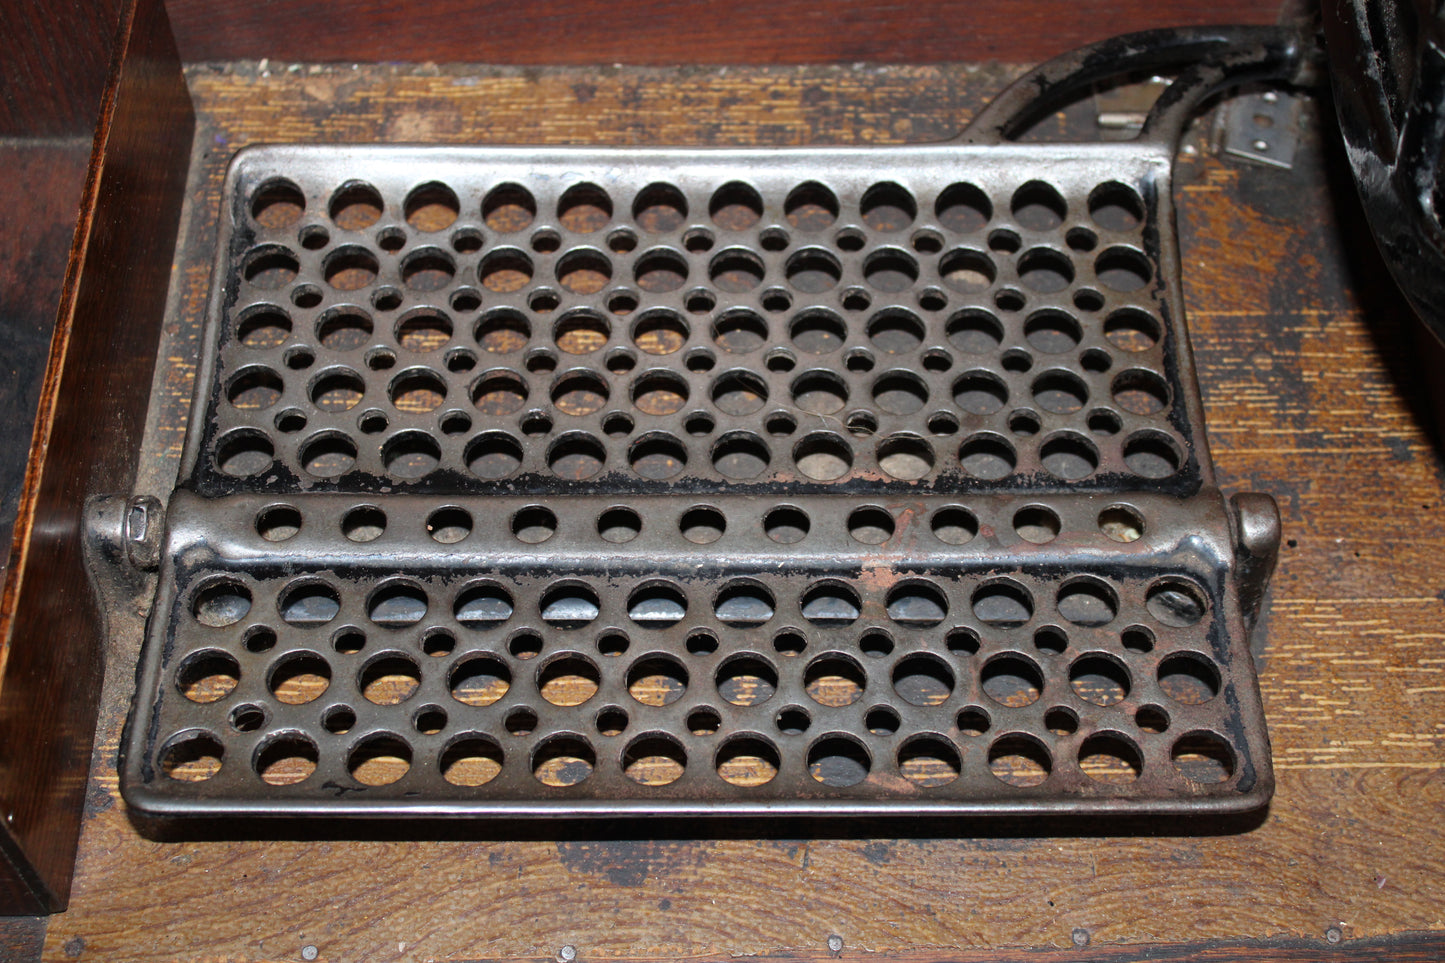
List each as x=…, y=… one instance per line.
x=51, y=81
x=57, y=56
x=1306, y=366
x=88, y=421
x=42, y=186
x=674, y=32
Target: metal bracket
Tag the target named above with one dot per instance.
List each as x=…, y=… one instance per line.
x=1263, y=128
x=123, y=539
x=1256, y=550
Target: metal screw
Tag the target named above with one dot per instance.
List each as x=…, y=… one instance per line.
x=835, y=943
x=1080, y=936
x=1334, y=934
x=1260, y=145
x=567, y=953
x=309, y=952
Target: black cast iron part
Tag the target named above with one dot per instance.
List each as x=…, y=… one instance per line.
x=606, y=482
x=1387, y=64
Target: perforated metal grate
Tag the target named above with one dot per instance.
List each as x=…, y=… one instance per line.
x=833, y=338
x=544, y=481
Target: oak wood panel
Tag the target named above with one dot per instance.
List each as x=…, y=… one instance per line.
x=670, y=32
x=87, y=425
x=1307, y=370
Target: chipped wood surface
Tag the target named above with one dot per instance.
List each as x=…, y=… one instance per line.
x=1305, y=400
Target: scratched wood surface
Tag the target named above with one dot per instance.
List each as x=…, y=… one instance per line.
x=1306, y=368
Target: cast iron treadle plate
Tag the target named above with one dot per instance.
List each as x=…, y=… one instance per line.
x=549, y=481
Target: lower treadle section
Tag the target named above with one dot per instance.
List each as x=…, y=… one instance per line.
x=756, y=682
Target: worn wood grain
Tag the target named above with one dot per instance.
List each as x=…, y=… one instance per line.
x=1311, y=392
